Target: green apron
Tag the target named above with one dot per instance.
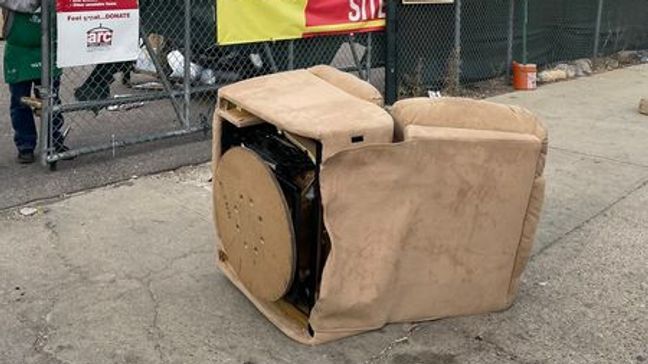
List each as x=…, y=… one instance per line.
x=22, y=58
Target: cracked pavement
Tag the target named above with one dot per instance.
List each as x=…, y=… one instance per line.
x=126, y=273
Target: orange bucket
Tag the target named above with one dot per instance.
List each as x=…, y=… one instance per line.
x=525, y=76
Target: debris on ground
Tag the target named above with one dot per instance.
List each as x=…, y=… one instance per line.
x=149, y=86
x=549, y=76
x=585, y=67
x=643, y=106
x=644, y=57
x=628, y=57
x=564, y=71
x=570, y=70
x=125, y=107
x=28, y=211
x=208, y=77
x=606, y=64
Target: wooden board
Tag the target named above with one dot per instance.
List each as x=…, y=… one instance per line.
x=236, y=115
x=308, y=146
x=254, y=224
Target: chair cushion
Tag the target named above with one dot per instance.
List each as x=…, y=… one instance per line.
x=469, y=114
x=348, y=83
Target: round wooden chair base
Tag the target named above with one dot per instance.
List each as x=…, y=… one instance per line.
x=254, y=224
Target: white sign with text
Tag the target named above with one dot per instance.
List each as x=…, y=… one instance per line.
x=96, y=31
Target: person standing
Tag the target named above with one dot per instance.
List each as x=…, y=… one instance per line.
x=22, y=72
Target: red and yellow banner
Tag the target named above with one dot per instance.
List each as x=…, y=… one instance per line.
x=247, y=21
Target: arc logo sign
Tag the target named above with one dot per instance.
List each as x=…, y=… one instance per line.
x=246, y=21
x=99, y=37
x=96, y=31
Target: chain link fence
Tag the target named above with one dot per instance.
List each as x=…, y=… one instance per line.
x=471, y=44
x=106, y=106
x=171, y=89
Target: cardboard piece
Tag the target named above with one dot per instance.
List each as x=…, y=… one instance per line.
x=438, y=224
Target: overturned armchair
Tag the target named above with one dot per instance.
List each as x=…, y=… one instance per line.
x=336, y=217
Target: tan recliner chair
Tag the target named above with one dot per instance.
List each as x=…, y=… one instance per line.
x=436, y=221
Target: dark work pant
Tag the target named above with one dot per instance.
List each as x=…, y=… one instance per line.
x=22, y=117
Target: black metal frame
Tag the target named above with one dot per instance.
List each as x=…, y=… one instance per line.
x=288, y=163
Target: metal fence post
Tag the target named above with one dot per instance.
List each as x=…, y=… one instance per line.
x=291, y=55
x=391, y=53
x=525, y=33
x=510, y=39
x=368, y=56
x=45, y=88
x=597, y=31
x=456, y=71
x=271, y=59
x=187, y=64
x=356, y=57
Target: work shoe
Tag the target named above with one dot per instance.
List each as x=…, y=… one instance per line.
x=26, y=157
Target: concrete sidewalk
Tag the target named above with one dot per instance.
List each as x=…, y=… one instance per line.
x=126, y=274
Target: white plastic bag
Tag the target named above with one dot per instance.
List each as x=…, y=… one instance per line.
x=177, y=63
x=144, y=62
x=208, y=77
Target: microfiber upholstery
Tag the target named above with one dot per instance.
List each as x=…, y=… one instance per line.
x=313, y=107
x=348, y=83
x=423, y=118
x=455, y=112
x=433, y=216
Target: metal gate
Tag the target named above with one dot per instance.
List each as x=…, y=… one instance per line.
x=170, y=91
